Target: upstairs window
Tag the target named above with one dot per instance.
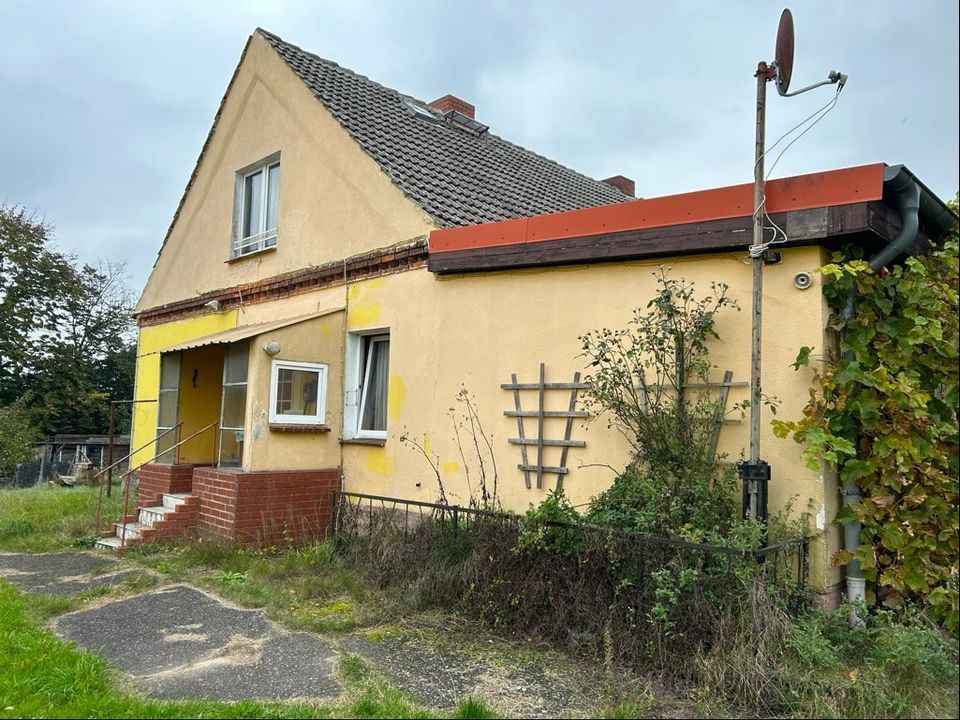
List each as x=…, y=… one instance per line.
x=255, y=208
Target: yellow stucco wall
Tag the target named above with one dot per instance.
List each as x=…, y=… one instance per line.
x=334, y=201
x=474, y=331
x=315, y=341
x=150, y=341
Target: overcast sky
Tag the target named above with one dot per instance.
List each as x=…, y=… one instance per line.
x=104, y=105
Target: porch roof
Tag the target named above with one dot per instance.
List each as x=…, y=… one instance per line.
x=242, y=332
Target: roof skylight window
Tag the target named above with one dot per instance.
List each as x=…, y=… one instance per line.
x=419, y=111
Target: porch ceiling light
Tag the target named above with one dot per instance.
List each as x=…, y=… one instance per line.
x=272, y=348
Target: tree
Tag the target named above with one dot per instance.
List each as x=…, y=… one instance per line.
x=33, y=279
x=17, y=435
x=65, y=331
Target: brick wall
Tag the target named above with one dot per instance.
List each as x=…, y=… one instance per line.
x=156, y=479
x=264, y=508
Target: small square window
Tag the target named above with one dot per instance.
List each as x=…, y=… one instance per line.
x=298, y=393
x=255, y=212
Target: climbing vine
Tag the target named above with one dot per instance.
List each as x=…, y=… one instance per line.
x=885, y=413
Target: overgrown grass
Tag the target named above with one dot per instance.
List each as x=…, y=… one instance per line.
x=46, y=518
x=896, y=666
x=306, y=588
x=729, y=643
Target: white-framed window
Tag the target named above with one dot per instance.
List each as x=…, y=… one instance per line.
x=233, y=407
x=256, y=197
x=368, y=373
x=298, y=393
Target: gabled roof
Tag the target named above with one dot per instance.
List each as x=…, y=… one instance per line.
x=457, y=176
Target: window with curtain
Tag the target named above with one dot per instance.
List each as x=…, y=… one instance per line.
x=375, y=368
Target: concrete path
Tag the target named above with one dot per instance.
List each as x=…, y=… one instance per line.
x=180, y=642
x=64, y=574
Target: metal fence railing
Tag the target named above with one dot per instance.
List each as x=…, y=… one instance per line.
x=360, y=513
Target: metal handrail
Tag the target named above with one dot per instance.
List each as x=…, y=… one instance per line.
x=126, y=489
x=98, y=475
x=134, y=452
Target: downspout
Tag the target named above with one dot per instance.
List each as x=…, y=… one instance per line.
x=898, y=181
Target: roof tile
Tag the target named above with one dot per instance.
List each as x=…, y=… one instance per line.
x=457, y=177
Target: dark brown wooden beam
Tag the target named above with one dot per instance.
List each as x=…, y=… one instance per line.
x=803, y=227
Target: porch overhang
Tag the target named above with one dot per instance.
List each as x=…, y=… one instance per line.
x=243, y=332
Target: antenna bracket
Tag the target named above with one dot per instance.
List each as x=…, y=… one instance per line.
x=767, y=72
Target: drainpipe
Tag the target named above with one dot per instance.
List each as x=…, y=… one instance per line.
x=897, y=181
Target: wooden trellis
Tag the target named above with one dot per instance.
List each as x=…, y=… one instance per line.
x=724, y=388
x=540, y=442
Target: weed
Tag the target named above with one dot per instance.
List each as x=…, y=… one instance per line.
x=474, y=709
x=632, y=708
x=233, y=578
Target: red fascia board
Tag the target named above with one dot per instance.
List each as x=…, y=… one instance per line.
x=803, y=192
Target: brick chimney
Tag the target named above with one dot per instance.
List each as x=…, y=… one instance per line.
x=621, y=183
x=451, y=102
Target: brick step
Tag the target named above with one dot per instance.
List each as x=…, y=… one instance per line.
x=172, y=501
x=176, y=517
x=150, y=515
x=108, y=543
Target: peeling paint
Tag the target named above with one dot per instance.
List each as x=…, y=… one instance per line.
x=821, y=518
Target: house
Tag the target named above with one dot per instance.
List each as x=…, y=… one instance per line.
x=346, y=259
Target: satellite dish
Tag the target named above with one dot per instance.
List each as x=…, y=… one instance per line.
x=784, y=56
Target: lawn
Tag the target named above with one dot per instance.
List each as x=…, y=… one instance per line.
x=47, y=518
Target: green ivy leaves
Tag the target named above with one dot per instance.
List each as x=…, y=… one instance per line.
x=886, y=416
